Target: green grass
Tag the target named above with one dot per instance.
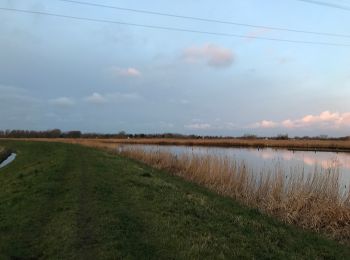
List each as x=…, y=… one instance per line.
x=66, y=201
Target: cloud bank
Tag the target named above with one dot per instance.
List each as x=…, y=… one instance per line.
x=326, y=120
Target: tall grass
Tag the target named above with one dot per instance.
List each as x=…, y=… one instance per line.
x=317, y=145
x=321, y=145
x=312, y=201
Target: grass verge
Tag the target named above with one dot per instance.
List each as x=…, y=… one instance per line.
x=71, y=202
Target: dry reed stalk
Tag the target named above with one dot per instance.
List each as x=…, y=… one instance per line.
x=312, y=201
x=334, y=145
x=331, y=145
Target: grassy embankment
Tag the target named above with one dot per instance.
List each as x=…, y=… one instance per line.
x=71, y=202
x=312, y=201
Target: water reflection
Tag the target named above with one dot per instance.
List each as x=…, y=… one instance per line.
x=8, y=160
x=324, y=159
x=269, y=159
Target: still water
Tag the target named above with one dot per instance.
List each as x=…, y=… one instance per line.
x=268, y=159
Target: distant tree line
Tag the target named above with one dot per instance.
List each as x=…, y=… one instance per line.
x=57, y=133
x=54, y=133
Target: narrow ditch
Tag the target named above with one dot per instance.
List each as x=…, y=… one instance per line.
x=6, y=158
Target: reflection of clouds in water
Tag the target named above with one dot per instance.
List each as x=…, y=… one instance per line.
x=344, y=162
x=271, y=160
x=268, y=155
x=306, y=161
x=275, y=154
x=325, y=160
x=265, y=154
x=324, y=163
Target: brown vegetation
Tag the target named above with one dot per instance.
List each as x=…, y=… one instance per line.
x=302, y=144
x=97, y=143
x=262, y=143
x=311, y=201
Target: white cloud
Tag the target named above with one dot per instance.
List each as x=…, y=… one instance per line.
x=96, y=98
x=217, y=124
x=125, y=72
x=211, y=54
x=198, y=126
x=62, y=102
x=267, y=124
x=326, y=119
x=116, y=97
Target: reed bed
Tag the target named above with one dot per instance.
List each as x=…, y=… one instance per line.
x=314, y=145
x=318, y=145
x=312, y=201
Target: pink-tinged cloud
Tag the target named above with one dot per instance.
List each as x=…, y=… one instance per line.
x=267, y=124
x=126, y=72
x=326, y=119
x=210, y=54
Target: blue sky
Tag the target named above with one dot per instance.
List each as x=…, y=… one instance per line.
x=100, y=77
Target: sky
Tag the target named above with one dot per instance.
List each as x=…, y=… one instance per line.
x=105, y=77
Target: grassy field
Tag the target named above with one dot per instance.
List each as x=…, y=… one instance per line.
x=66, y=201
